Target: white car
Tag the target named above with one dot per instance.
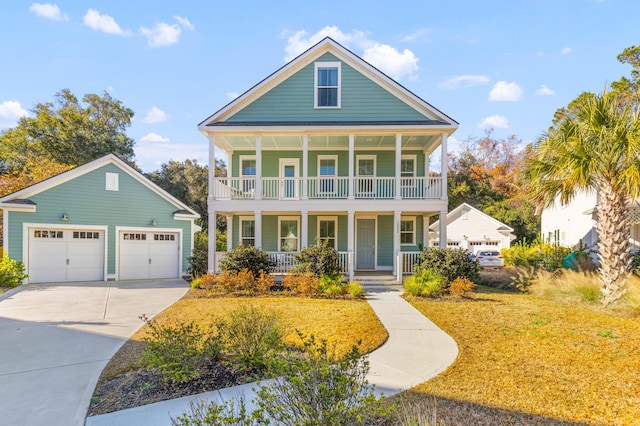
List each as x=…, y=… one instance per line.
x=489, y=259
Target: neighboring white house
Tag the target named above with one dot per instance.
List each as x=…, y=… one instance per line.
x=575, y=222
x=471, y=229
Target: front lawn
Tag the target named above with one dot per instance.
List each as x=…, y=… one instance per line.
x=343, y=323
x=525, y=360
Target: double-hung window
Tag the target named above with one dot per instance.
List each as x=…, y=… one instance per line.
x=407, y=176
x=248, y=174
x=408, y=231
x=289, y=232
x=247, y=231
x=327, y=170
x=327, y=228
x=327, y=84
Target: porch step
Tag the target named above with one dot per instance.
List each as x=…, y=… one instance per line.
x=376, y=279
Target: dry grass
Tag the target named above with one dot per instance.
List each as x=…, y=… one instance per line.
x=343, y=323
x=525, y=360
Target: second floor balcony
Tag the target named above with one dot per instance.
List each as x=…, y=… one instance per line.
x=357, y=187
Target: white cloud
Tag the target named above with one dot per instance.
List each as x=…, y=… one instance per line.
x=495, y=121
x=232, y=95
x=391, y=61
x=155, y=115
x=162, y=34
x=418, y=34
x=464, y=81
x=545, y=91
x=49, y=11
x=105, y=23
x=503, y=91
x=566, y=51
x=153, y=137
x=301, y=40
x=12, y=110
x=387, y=58
x=184, y=23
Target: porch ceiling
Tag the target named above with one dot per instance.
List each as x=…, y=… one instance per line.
x=424, y=142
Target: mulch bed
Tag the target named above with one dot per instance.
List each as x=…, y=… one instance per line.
x=143, y=387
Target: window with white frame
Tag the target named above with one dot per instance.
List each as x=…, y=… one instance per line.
x=366, y=172
x=408, y=231
x=407, y=169
x=327, y=84
x=328, y=170
x=248, y=172
x=111, y=181
x=289, y=234
x=327, y=230
x=247, y=231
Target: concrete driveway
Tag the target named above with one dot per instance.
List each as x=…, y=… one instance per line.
x=55, y=340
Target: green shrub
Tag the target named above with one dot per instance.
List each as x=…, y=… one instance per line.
x=332, y=285
x=317, y=388
x=196, y=283
x=355, y=289
x=461, y=287
x=540, y=255
x=319, y=260
x=449, y=263
x=251, y=334
x=198, y=261
x=177, y=352
x=11, y=272
x=247, y=257
x=424, y=283
x=213, y=414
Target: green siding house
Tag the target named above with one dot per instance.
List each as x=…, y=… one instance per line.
x=100, y=221
x=330, y=148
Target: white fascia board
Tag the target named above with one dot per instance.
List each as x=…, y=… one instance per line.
x=18, y=207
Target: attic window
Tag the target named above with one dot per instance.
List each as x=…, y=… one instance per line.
x=111, y=181
x=327, y=84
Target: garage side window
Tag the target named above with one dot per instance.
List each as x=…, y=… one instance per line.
x=130, y=236
x=112, y=181
x=46, y=233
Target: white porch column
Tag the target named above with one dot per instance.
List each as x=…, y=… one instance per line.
x=304, y=229
x=396, y=240
x=351, y=243
x=211, y=256
x=305, y=167
x=443, y=228
x=351, y=165
x=229, y=232
x=258, y=192
x=229, y=164
x=258, y=228
x=425, y=231
x=444, y=166
x=212, y=162
x=398, y=165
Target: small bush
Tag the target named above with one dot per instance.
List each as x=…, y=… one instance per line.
x=213, y=414
x=319, y=260
x=301, y=284
x=198, y=261
x=449, y=263
x=461, y=287
x=207, y=282
x=247, y=257
x=264, y=283
x=11, y=272
x=424, y=283
x=252, y=334
x=332, y=285
x=355, y=289
x=195, y=283
x=418, y=414
x=177, y=352
x=319, y=389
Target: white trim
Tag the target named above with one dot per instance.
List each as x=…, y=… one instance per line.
x=434, y=225
x=282, y=163
x=297, y=219
x=241, y=158
x=240, y=236
x=25, y=240
x=111, y=181
x=119, y=229
x=327, y=219
x=5, y=234
x=413, y=157
x=366, y=157
x=375, y=241
x=89, y=167
x=320, y=158
x=408, y=219
x=318, y=65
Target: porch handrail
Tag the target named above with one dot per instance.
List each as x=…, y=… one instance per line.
x=406, y=261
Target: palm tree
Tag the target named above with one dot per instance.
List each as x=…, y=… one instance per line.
x=593, y=145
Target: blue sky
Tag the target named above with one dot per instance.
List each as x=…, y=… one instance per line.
x=502, y=64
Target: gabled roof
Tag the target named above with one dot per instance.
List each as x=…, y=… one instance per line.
x=453, y=213
x=21, y=197
x=327, y=45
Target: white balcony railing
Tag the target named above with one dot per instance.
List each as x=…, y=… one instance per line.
x=285, y=261
x=276, y=188
x=407, y=261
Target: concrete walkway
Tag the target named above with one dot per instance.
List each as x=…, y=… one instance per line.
x=55, y=340
x=416, y=351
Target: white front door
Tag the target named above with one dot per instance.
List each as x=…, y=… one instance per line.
x=146, y=254
x=289, y=178
x=58, y=255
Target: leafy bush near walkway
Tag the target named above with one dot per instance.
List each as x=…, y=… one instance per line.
x=11, y=272
x=247, y=257
x=449, y=263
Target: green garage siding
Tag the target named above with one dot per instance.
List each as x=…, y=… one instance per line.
x=86, y=202
x=292, y=100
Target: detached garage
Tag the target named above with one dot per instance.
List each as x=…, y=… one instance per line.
x=100, y=221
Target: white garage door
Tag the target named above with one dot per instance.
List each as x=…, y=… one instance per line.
x=57, y=255
x=476, y=246
x=145, y=255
